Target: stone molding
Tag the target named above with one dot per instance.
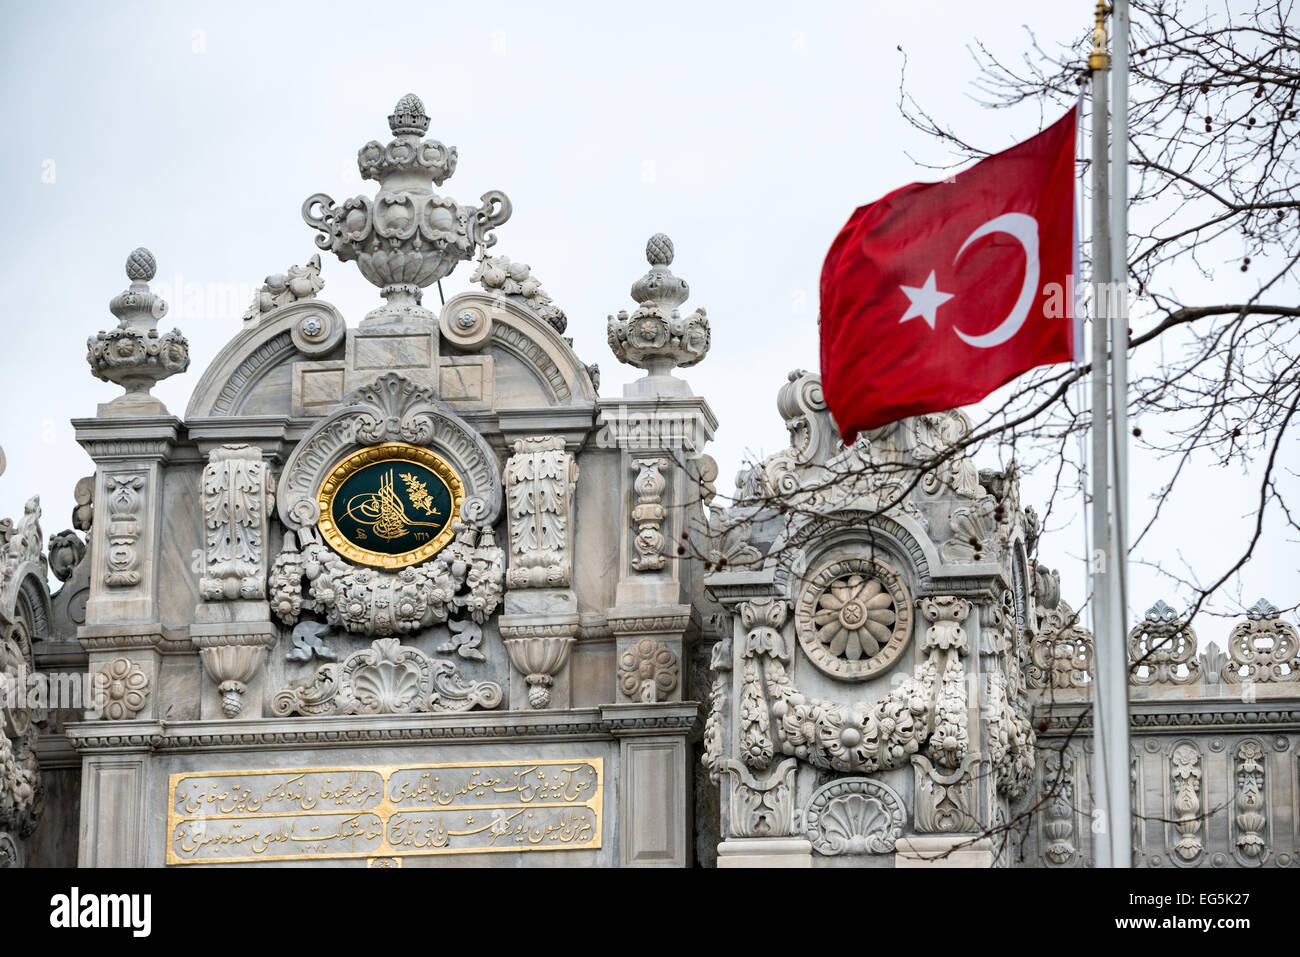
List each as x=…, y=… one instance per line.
x=349, y=731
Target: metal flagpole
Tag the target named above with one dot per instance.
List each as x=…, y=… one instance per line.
x=1115, y=697
x=1099, y=65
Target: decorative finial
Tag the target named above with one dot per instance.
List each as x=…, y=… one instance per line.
x=659, y=250
x=1262, y=610
x=656, y=337
x=1099, y=59
x=1160, y=613
x=408, y=117
x=140, y=265
x=408, y=237
x=134, y=355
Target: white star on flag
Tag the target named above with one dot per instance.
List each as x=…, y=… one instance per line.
x=925, y=300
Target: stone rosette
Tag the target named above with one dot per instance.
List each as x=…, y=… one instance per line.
x=853, y=617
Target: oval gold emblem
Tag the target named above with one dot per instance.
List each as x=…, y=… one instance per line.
x=390, y=505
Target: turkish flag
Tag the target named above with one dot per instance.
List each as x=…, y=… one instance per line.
x=937, y=294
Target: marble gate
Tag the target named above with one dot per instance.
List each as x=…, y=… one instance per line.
x=411, y=592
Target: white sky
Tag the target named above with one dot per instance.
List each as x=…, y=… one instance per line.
x=747, y=132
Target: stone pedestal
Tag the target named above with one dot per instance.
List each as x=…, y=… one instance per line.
x=944, y=850
x=765, y=852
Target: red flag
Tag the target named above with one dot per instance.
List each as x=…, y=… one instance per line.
x=937, y=294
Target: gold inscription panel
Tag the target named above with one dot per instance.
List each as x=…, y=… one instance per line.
x=395, y=811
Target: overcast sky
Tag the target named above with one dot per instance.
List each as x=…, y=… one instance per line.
x=747, y=132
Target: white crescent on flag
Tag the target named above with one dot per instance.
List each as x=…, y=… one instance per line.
x=1024, y=229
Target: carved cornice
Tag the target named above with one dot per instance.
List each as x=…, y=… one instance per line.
x=154, y=637
x=1177, y=718
x=584, y=724
x=140, y=439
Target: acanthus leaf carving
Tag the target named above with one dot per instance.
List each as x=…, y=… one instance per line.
x=238, y=494
x=761, y=807
x=540, y=479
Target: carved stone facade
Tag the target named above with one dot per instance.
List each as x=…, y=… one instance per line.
x=415, y=553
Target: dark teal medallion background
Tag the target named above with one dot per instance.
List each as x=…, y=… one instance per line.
x=392, y=506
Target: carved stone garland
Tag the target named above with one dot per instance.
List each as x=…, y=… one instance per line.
x=386, y=678
x=1011, y=738
x=1249, y=809
x=465, y=578
x=928, y=708
x=238, y=492
x=1057, y=790
x=1185, y=773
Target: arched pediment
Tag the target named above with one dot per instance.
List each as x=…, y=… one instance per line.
x=501, y=323
x=896, y=538
x=391, y=408
x=27, y=597
x=307, y=329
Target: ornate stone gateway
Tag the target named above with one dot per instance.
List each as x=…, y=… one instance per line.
x=403, y=589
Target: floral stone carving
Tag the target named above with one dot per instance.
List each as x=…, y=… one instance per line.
x=1263, y=648
x=120, y=690
x=853, y=617
x=237, y=497
x=1162, y=649
x=465, y=578
x=406, y=237
x=540, y=479
x=853, y=816
x=386, y=678
x=647, y=671
x=761, y=807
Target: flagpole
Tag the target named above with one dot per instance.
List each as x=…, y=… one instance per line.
x=1099, y=66
x=1116, y=694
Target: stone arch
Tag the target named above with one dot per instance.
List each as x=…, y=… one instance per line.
x=530, y=339
x=897, y=539
x=259, y=348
